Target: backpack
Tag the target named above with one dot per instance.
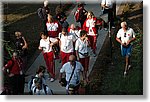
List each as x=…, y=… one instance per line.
x=30, y=82
x=80, y=14
x=40, y=13
x=77, y=15
x=45, y=86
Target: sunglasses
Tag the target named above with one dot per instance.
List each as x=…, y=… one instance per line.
x=125, y=34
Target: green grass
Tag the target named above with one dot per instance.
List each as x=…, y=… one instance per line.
x=107, y=78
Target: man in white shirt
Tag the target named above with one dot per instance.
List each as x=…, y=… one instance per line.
x=66, y=45
x=68, y=67
x=127, y=36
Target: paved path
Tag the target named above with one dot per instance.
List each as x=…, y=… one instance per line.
x=55, y=86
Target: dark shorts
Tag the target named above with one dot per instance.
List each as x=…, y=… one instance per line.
x=126, y=51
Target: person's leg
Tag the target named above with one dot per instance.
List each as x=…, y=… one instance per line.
x=94, y=44
x=127, y=63
x=47, y=63
x=123, y=53
x=86, y=63
x=91, y=41
x=110, y=17
x=51, y=62
x=82, y=61
x=21, y=82
x=129, y=56
x=45, y=58
x=13, y=85
x=63, y=57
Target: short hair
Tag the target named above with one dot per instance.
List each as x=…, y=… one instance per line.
x=15, y=54
x=82, y=33
x=64, y=29
x=43, y=33
x=41, y=69
x=123, y=23
x=90, y=13
x=17, y=33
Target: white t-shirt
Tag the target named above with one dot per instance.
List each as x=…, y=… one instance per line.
x=67, y=42
x=52, y=26
x=81, y=47
x=76, y=33
x=129, y=35
x=67, y=68
x=109, y=3
x=46, y=44
x=90, y=24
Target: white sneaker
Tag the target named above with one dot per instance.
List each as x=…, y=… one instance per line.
x=125, y=73
x=113, y=27
x=129, y=66
x=94, y=55
x=52, y=79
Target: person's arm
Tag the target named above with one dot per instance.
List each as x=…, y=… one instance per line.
x=118, y=40
x=40, y=46
x=133, y=37
x=60, y=76
x=59, y=44
x=76, y=49
x=103, y=4
x=77, y=54
x=62, y=70
x=25, y=44
x=54, y=43
x=8, y=65
x=131, y=40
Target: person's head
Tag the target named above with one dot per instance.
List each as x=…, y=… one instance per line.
x=15, y=55
x=71, y=89
x=50, y=18
x=64, y=31
x=18, y=34
x=83, y=33
x=41, y=71
x=43, y=35
x=90, y=15
x=124, y=25
x=72, y=59
x=72, y=26
x=81, y=5
x=45, y=3
x=63, y=16
x=38, y=83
